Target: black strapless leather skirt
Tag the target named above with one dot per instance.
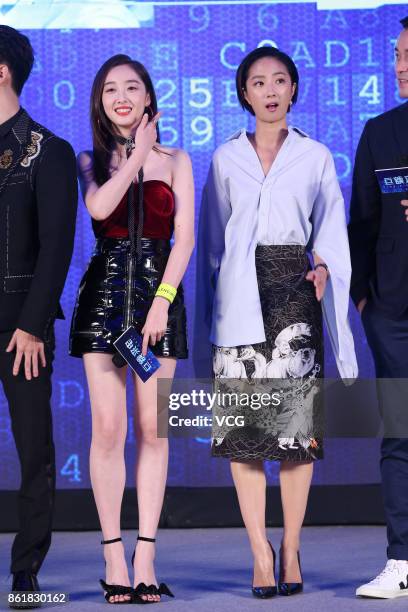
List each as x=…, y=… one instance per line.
x=99, y=313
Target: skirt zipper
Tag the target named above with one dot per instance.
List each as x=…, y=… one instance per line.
x=129, y=284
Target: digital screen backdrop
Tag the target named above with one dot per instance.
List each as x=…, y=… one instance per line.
x=345, y=59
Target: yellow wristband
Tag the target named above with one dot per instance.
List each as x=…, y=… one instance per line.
x=166, y=291
x=166, y=287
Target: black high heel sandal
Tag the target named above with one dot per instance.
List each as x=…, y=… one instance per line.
x=265, y=592
x=289, y=588
x=142, y=589
x=110, y=590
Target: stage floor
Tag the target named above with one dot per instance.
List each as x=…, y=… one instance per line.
x=210, y=569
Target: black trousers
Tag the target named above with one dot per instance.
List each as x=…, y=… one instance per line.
x=30, y=412
x=388, y=340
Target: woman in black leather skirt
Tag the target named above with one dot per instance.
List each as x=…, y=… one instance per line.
x=155, y=182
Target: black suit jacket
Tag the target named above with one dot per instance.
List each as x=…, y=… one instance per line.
x=378, y=231
x=38, y=205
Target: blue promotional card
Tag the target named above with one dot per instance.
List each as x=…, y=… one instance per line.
x=129, y=345
x=393, y=180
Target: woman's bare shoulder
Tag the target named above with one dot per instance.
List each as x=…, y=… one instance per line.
x=174, y=154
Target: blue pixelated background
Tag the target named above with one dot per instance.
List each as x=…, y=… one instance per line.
x=345, y=60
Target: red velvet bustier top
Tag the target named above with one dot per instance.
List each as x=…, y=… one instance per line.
x=158, y=220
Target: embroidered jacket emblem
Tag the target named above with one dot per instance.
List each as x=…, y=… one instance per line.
x=33, y=149
x=6, y=159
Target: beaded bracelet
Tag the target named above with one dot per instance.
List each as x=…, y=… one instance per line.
x=166, y=291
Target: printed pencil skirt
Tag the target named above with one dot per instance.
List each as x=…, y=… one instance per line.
x=287, y=367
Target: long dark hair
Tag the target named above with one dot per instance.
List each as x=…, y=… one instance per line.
x=103, y=130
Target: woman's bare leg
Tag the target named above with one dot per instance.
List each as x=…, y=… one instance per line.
x=250, y=483
x=295, y=479
x=107, y=390
x=151, y=469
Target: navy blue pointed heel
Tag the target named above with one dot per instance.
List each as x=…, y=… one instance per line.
x=265, y=592
x=288, y=588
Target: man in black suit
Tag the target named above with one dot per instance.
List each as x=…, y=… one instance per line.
x=38, y=200
x=378, y=233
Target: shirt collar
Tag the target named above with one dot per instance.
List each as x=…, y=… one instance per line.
x=251, y=161
x=8, y=125
x=242, y=133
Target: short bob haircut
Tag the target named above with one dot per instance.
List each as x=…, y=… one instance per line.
x=243, y=70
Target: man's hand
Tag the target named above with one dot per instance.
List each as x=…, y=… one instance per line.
x=405, y=203
x=361, y=305
x=31, y=348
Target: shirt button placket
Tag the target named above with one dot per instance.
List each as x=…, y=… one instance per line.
x=263, y=214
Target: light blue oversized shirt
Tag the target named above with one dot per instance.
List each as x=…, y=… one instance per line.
x=298, y=202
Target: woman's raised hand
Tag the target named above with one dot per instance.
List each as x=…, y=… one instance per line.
x=146, y=134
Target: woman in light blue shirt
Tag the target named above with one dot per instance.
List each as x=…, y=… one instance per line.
x=270, y=198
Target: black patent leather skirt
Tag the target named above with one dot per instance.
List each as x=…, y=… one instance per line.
x=99, y=313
